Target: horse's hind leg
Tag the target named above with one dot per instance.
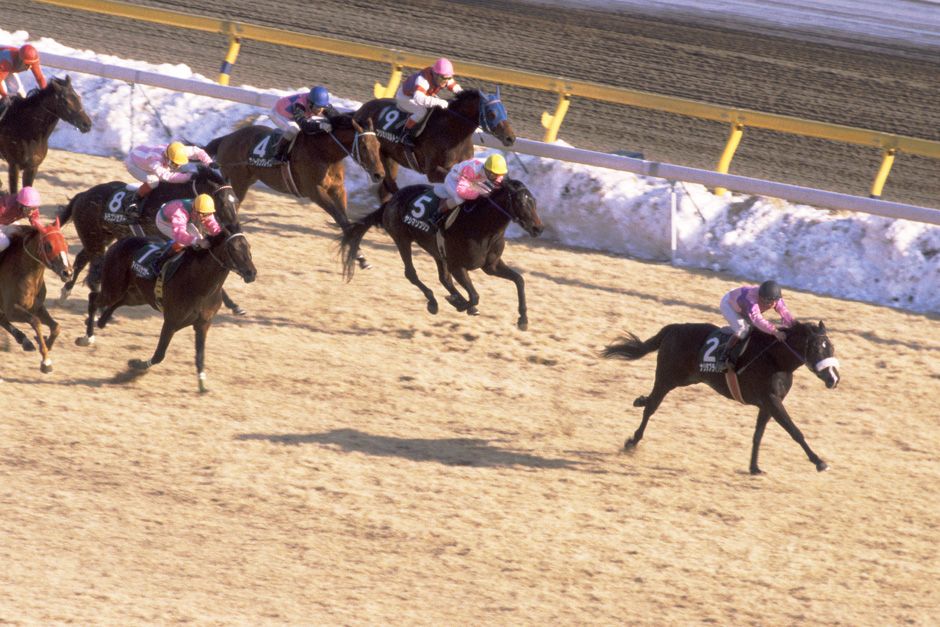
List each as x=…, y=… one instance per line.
x=473, y=298
x=505, y=272
x=36, y=323
x=18, y=335
x=455, y=298
x=649, y=404
x=404, y=250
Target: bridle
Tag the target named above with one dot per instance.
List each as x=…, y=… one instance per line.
x=225, y=266
x=356, y=153
x=828, y=362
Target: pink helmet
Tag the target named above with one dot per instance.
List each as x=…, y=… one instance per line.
x=443, y=67
x=28, y=197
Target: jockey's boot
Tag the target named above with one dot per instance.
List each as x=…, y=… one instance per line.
x=280, y=150
x=728, y=357
x=168, y=253
x=133, y=207
x=407, y=137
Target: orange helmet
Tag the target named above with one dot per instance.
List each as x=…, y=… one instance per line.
x=29, y=55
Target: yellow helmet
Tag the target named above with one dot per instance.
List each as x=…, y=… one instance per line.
x=176, y=152
x=496, y=164
x=204, y=204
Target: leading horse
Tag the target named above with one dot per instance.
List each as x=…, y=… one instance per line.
x=765, y=371
x=447, y=135
x=475, y=240
x=27, y=125
x=23, y=285
x=191, y=298
x=99, y=219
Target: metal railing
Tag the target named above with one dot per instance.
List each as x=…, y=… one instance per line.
x=889, y=144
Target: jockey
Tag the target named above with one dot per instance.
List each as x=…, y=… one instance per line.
x=418, y=94
x=308, y=112
x=152, y=164
x=183, y=222
x=14, y=207
x=468, y=180
x=15, y=60
x=743, y=308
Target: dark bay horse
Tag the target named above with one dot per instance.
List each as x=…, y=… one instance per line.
x=23, y=286
x=447, y=135
x=99, y=220
x=191, y=298
x=765, y=371
x=28, y=123
x=474, y=240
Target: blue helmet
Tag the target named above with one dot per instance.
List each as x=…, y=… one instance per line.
x=319, y=97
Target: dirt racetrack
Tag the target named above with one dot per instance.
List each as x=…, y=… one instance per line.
x=361, y=462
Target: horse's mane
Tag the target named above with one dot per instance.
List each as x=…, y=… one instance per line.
x=36, y=94
x=466, y=94
x=341, y=120
x=204, y=171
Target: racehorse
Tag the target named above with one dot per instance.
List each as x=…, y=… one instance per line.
x=23, y=286
x=191, y=298
x=765, y=371
x=99, y=220
x=26, y=126
x=446, y=138
x=474, y=240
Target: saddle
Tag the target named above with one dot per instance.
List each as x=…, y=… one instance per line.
x=423, y=212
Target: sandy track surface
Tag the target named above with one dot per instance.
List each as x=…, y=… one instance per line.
x=890, y=88
x=361, y=462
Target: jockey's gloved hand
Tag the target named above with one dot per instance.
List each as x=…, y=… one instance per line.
x=34, y=90
x=488, y=186
x=201, y=243
x=214, y=165
x=5, y=101
x=326, y=126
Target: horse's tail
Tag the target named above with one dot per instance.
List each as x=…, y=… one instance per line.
x=213, y=147
x=352, y=238
x=65, y=212
x=631, y=347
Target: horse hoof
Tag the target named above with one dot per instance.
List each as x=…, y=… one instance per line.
x=138, y=364
x=45, y=368
x=640, y=401
x=432, y=306
x=473, y=311
x=363, y=264
x=629, y=445
x=238, y=310
x=821, y=466
x=523, y=324
x=756, y=471
x=28, y=346
x=459, y=302
x=85, y=340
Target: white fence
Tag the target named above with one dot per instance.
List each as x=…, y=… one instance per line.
x=792, y=193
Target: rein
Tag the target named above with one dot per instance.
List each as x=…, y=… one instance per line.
x=511, y=217
x=356, y=153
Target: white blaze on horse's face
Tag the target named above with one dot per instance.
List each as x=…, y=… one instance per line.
x=827, y=368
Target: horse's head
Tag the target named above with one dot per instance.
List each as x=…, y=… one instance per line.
x=53, y=251
x=208, y=181
x=493, y=118
x=514, y=198
x=818, y=351
x=366, y=150
x=231, y=249
x=68, y=104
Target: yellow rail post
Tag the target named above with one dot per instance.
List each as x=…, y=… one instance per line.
x=737, y=129
x=235, y=43
x=383, y=91
x=553, y=122
x=886, y=161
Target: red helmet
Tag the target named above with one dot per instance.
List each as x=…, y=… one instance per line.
x=29, y=55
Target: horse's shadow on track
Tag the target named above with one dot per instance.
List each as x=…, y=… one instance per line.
x=449, y=451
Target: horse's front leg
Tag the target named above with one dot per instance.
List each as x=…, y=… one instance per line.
x=14, y=177
x=18, y=335
x=166, y=334
x=473, y=298
x=34, y=321
x=201, y=327
x=503, y=271
x=81, y=260
x=781, y=415
x=47, y=320
x=235, y=308
x=388, y=187
x=29, y=175
x=763, y=417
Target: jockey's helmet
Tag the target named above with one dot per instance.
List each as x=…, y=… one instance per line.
x=443, y=67
x=176, y=153
x=29, y=55
x=319, y=97
x=28, y=197
x=769, y=291
x=496, y=164
x=204, y=204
